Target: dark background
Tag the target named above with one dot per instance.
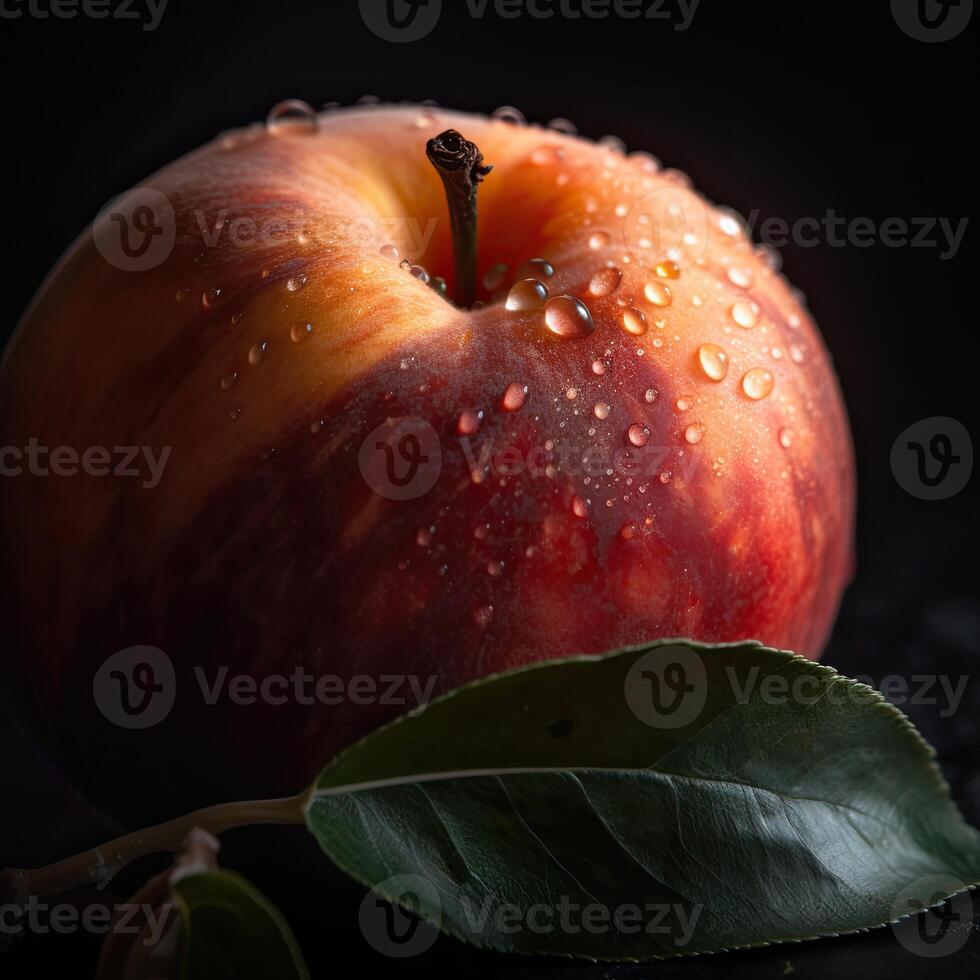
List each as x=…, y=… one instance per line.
x=789, y=108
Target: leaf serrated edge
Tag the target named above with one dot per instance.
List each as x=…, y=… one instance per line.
x=875, y=701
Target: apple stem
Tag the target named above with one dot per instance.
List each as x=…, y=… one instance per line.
x=460, y=165
x=100, y=864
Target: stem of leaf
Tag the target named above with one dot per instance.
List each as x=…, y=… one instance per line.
x=100, y=864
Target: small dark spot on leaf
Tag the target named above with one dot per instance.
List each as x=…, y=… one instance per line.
x=561, y=728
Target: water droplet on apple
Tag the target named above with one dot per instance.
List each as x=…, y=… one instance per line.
x=424, y=537
x=296, y=283
x=657, y=293
x=605, y=281
x=627, y=531
x=601, y=410
x=514, y=397
x=785, y=438
x=508, y=114
x=210, y=298
x=612, y=143
x=495, y=568
x=694, y=433
x=547, y=154
x=257, y=351
x=568, y=318
x=483, y=616
x=634, y=322
x=526, y=294
x=650, y=395
x=598, y=367
x=389, y=252
x=229, y=380
x=637, y=435
x=571, y=394
x=181, y=295
x=579, y=507
x=665, y=477
x=469, y=422
x=235, y=414
x=757, y=383
x=561, y=125
x=668, y=269
x=598, y=239
x=745, y=313
x=740, y=277
x=714, y=361
x=535, y=269
x=729, y=224
x=292, y=115
x=300, y=332
x=683, y=403
x=494, y=276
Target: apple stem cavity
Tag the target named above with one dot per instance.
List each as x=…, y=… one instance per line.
x=460, y=165
x=101, y=864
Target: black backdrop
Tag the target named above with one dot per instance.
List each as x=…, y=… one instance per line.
x=783, y=109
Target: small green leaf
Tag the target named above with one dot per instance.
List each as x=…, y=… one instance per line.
x=667, y=799
x=230, y=930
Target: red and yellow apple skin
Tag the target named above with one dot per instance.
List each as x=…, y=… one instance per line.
x=263, y=548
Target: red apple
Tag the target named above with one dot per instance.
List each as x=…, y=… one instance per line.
x=265, y=335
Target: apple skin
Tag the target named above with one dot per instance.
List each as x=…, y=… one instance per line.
x=264, y=549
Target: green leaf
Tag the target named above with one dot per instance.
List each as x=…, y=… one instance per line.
x=230, y=930
x=667, y=799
